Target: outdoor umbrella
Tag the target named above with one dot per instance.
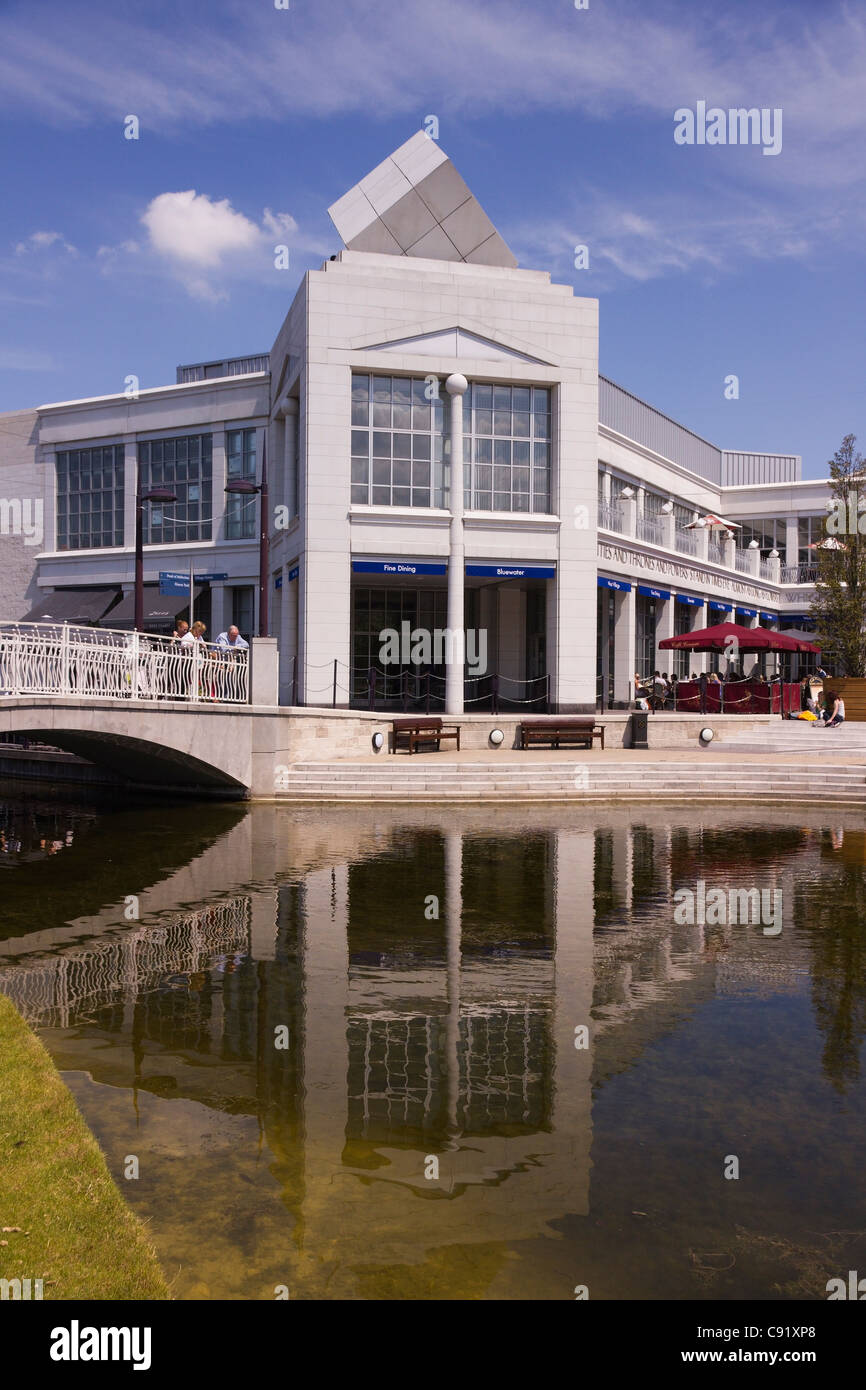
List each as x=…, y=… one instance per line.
x=748, y=639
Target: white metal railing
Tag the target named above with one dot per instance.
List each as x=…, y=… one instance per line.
x=650, y=530
x=686, y=543
x=610, y=517
x=56, y=659
x=799, y=574
x=743, y=560
x=715, y=553
x=766, y=569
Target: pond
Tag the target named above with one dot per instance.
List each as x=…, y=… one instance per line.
x=458, y=1053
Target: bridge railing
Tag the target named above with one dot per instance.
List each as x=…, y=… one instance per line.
x=57, y=659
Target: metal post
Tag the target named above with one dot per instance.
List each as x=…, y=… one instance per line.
x=139, y=554
x=263, y=543
x=427, y=705
x=404, y=688
x=196, y=671
x=371, y=687
x=134, y=673
x=294, y=680
x=334, y=690
x=64, y=661
x=494, y=691
x=547, y=693
x=456, y=386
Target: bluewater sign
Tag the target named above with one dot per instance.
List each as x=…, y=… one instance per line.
x=512, y=571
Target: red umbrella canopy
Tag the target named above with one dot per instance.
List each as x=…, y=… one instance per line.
x=748, y=639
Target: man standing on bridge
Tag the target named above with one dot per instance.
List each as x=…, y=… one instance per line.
x=232, y=640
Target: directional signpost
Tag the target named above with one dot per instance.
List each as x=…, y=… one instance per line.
x=175, y=582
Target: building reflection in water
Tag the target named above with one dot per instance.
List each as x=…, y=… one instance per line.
x=429, y=982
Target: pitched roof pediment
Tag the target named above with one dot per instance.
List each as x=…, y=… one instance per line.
x=455, y=341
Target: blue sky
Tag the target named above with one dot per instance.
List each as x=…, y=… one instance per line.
x=123, y=257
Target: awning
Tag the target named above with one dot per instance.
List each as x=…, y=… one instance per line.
x=717, y=607
x=649, y=592
x=690, y=600
x=605, y=583
x=159, y=609
x=72, y=606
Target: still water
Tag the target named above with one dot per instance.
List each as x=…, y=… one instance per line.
x=341, y=1043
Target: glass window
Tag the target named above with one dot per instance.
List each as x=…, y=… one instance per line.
x=185, y=466
x=241, y=464
x=243, y=608
x=506, y=426
x=90, y=493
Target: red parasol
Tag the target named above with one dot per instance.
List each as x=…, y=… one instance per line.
x=747, y=639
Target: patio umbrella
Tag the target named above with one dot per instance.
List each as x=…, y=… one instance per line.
x=830, y=543
x=712, y=520
x=748, y=639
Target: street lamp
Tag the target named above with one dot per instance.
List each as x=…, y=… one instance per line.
x=155, y=494
x=244, y=487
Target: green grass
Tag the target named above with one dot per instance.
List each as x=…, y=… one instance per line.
x=77, y=1233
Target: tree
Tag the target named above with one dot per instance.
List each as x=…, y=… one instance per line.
x=839, y=605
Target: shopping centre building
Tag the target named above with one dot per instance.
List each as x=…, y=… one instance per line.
x=581, y=538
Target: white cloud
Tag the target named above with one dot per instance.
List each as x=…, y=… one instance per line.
x=207, y=244
x=190, y=228
x=26, y=360
x=43, y=241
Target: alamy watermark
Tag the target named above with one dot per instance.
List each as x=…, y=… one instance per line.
x=438, y=646
x=22, y=516
x=719, y=907
x=736, y=126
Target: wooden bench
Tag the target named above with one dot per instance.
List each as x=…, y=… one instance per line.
x=419, y=732
x=579, y=728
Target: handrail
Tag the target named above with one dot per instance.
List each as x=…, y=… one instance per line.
x=108, y=663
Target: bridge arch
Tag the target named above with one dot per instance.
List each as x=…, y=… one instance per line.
x=161, y=748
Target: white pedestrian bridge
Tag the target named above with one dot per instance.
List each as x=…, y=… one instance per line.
x=156, y=712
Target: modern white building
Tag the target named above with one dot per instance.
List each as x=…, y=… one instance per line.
x=569, y=550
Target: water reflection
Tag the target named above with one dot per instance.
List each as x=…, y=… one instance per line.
x=344, y=1051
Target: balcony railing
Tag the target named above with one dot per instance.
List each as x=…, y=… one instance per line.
x=743, y=561
x=610, y=518
x=686, y=542
x=716, y=553
x=766, y=569
x=799, y=574
x=650, y=530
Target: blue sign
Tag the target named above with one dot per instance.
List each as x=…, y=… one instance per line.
x=397, y=567
x=652, y=593
x=293, y=573
x=748, y=612
x=770, y=617
x=690, y=600
x=208, y=578
x=278, y=581
x=512, y=571
x=605, y=583
x=721, y=607
x=173, y=582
